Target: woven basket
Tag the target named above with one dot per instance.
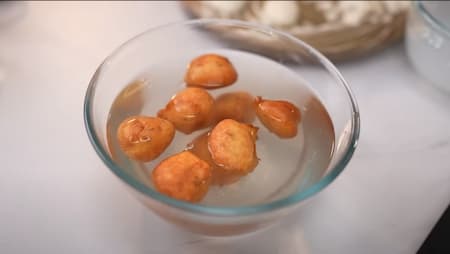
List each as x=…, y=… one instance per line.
x=380, y=26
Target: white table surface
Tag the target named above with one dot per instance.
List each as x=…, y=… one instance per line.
x=56, y=196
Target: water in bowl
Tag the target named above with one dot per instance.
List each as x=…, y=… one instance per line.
x=285, y=166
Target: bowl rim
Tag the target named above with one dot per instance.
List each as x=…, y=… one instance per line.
x=292, y=199
x=431, y=19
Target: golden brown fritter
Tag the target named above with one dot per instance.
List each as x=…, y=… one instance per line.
x=144, y=138
x=232, y=146
x=280, y=117
x=220, y=175
x=182, y=176
x=189, y=110
x=210, y=71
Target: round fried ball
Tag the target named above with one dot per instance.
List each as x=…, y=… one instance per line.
x=220, y=175
x=234, y=105
x=189, y=110
x=210, y=71
x=144, y=138
x=182, y=176
x=232, y=146
x=280, y=117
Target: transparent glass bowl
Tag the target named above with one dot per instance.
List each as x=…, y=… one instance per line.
x=132, y=58
x=428, y=41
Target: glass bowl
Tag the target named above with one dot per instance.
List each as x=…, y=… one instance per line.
x=146, y=51
x=428, y=41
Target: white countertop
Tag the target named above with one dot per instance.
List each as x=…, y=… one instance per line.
x=56, y=196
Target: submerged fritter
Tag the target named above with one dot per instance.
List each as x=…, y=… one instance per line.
x=210, y=71
x=280, y=117
x=144, y=138
x=182, y=176
x=189, y=110
x=234, y=105
x=220, y=175
x=232, y=146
